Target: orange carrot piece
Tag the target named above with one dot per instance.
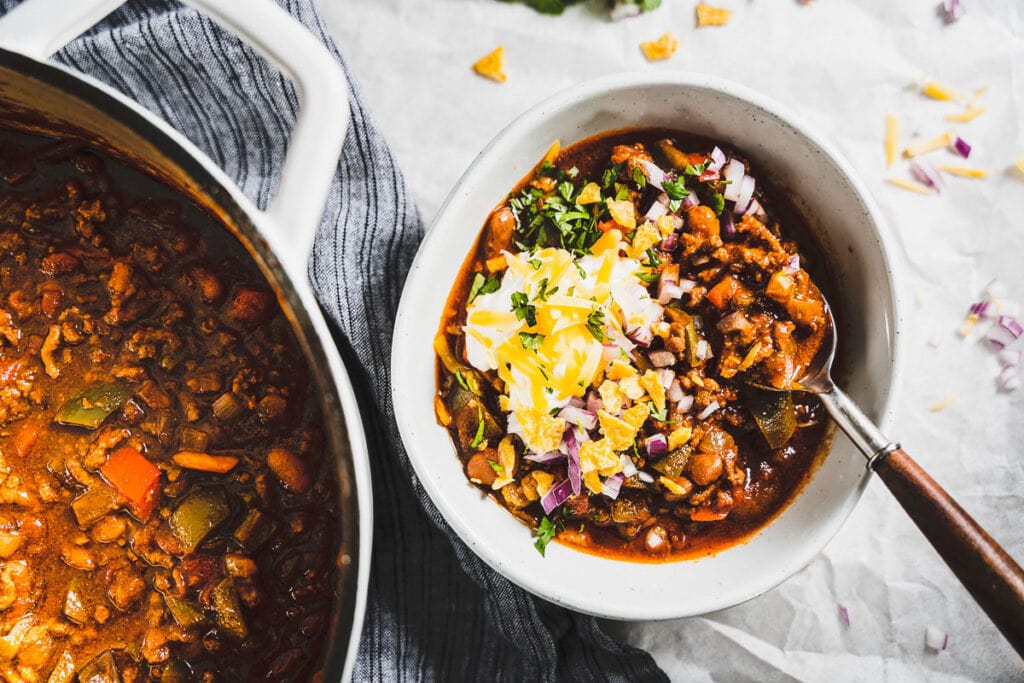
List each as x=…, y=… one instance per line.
x=204, y=462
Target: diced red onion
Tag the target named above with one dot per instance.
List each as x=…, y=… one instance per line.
x=709, y=175
x=927, y=174
x=668, y=291
x=734, y=173
x=612, y=484
x=628, y=468
x=577, y=402
x=960, y=146
x=580, y=417
x=1006, y=331
x=1010, y=324
x=936, y=639
x=1009, y=378
x=594, y=403
x=1009, y=358
x=756, y=210
x=624, y=10
x=685, y=404
x=656, y=445
x=746, y=196
x=728, y=226
x=574, y=460
x=665, y=377
x=707, y=412
x=656, y=211
x=983, y=309
x=793, y=264
x=844, y=615
x=952, y=10
x=689, y=201
x=545, y=458
x=655, y=176
x=717, y=159
x=704, y=349
x=687, y=285
x=661, y=358
x=557, y=495
x=644, y=477
x=641, y=335
x=675, y=392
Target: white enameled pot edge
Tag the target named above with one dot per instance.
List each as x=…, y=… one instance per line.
x=413, y=419
x=38, y=28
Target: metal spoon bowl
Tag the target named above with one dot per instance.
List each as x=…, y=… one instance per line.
x=991, y=576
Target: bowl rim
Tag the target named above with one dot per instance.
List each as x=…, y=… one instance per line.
x=568, y=99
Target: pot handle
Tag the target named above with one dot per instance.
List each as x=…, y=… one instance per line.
x=39, y=28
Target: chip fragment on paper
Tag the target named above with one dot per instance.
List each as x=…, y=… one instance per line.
x=662, y=48
x=708, y=15
x=492, y=65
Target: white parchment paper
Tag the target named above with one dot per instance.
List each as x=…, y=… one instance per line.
x=843, y=65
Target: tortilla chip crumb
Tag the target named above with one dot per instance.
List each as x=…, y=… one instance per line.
x=943, y=404
x=662, y=48
x=910, y=185
x=1019, y=163
x=712, y=16
x=492, y=65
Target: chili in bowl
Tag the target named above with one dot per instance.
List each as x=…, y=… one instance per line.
x=592, y=389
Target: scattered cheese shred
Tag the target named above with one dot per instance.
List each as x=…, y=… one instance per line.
x=1019, y=163
x=966, y=115
x=943, y=404
x=940, y=91
x=892, y=139
x=910, y=185
x=662, y=48
x=492, y=65
x=964, y=171
x=938, y=142
x=707, y=15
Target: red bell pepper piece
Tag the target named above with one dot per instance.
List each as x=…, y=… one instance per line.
x=136, y=478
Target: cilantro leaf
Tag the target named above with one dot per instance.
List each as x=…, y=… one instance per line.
x=639, y=178
x=652, y=258
x=543, y=292
x=498, y=469
x=479, y=438
x=716, y=203
x=482, y=285
x=535, y=263
x=531, y=341
x=524, y=310
x=675, y=189
x=544, y=533
x=461, y=379
x=579, y=269
x=595, y=324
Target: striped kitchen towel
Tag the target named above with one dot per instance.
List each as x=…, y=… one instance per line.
x=435, y=611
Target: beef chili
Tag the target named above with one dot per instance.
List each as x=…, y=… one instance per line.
x=166, y=509
x=604, y=357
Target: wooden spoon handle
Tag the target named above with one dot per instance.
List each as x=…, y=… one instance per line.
x=991, y=576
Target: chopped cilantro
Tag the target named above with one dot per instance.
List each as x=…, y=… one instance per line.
x=674, y=204
x=639, y=178
x=595, y=323
x=716, y=203
x=609, y=176
x=543, y=292
x=544, y=533
x=579, y=269
x=479, y=438
x=573, y=172
x=498, y=469
x=535, y=263
x=652, y=258
x=695, y=169
x=482, y=285
x=648, y=278
x=566, y=189
x=661, y=416
x=524, y=310
x=621, y=193
x=531, y=341
x=674, y=189
x=461, y=379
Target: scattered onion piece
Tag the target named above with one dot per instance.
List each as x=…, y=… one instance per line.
x=707, y=412
x=943, y=404
x=557, y=495
x=952, y=10
x=892, y=139
x=964, y=171
x=936, y=639
x=844, y=615
x=927, y=175
x=1009, y=358
x=960, y=146
x=612, y=485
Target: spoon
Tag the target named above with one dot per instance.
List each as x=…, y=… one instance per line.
x=991, y=576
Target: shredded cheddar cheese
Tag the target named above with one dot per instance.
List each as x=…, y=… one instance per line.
x=964, y=171
x=938, y=142
x=940, y=91
x=905, y=184
x=892, y=138
x=943, y=404
x=966, y=115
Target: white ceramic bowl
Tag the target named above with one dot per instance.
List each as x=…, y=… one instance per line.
x=848, y=227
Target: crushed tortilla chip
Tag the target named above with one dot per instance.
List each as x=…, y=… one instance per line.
x=662, y=48
x=541, y=432
x=652, y=383
x=537, y=483
x=552, y=153
x=496, y=264
x=597, y=457
x=492, y=65
x=631, y=387
x=964, y=171
x=619, y=434
x=669, y=224
x=590, y=194
x=612, y=397
x=708, y=15
x=679, y=437
x=672, y=486
x=905, y=184
x=940, y=91
x=637, y=415
x=938, y=142
x=645, y=237
x=943, y=404
x=892, y=138
x=620, y=369
x=966, y=115
x=507, y=454
x=623, y=212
